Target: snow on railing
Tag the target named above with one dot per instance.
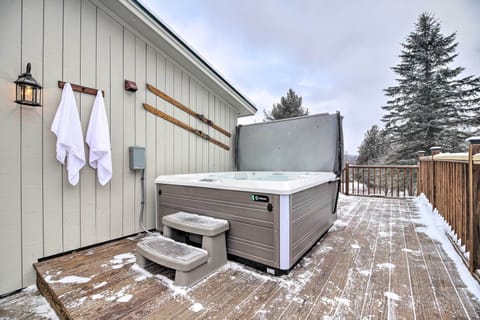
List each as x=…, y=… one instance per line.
x=451, y=182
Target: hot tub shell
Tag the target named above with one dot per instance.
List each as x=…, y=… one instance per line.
x=272, y=223
x=273, y=228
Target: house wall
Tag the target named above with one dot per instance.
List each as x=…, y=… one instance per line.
x=82, y=42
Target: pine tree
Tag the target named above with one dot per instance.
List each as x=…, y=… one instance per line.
x=373, y=148
x=289, y=107
x=430, y=105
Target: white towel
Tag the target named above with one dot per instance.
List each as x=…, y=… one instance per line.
x=98, y=139
x=67, y=127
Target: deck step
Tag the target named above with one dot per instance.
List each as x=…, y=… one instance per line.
x=172, y=254
x=196, y=224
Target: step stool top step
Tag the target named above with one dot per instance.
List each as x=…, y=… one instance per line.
x=172, y=254
x=197, y=224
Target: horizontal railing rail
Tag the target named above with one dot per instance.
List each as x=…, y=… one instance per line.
x=394, y=181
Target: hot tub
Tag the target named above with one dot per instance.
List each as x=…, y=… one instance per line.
x=275, y=217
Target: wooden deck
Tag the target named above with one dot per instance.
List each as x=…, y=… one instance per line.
x=372, y=265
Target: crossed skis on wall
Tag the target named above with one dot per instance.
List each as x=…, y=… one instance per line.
x=181, y=124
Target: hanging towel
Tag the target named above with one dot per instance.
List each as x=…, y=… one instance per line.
x=98, y=139
x=66, y=126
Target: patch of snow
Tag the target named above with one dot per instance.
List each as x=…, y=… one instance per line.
x=338, y=225
x=119, y=295
x=436, y=228
x=176, y=290
x=299, y=300
x=196, y=307
x=324, y=249
x=392, y=296
x=111, y=298
x=355, y=246
x=365, y=272
x=125, y=298
x=38, y=305
x=77, y=302
x=261, y=314
x=117, y=266
x=144, y=274
x=124, y=256
x=68, y=279
x=236, y=266
x=384, y=234
x=327, y=300
x=343, y=301
x=118, y=259
x=97, y=296
x=414, y=252
x=98, y=285
x=385, y=266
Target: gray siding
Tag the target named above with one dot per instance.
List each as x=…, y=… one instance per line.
x=82, y=42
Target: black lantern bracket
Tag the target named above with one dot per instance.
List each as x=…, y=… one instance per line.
x=29, y=90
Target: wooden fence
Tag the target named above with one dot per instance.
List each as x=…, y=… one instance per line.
x=379, y=180
x=451, y=182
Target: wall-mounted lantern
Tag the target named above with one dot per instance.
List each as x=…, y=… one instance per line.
x=29, y=90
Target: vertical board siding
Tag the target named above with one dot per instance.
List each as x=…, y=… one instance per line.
x=31, y=144
x=116, y=128
x=211, y=115
x=71, y=73
x=177, y=131
x=169, y=127
x=10, y=128
x=205, y=153
x=104, y=68
x=140, y=114
x=88, y=78
x=150, y=139
x=53, y=177
x=78, y=42
x=128, y=192
x=194, y=122
x=160, y=123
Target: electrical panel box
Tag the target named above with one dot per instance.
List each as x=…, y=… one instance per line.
x=137, y=158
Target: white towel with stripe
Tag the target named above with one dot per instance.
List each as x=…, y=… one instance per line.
x=68, y=129
x=98, y=139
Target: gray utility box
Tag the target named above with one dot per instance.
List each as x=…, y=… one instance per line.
x=137, y=158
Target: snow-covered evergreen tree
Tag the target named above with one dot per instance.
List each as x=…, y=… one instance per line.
x=289, y=107
x=373, y=148
x=431, y=105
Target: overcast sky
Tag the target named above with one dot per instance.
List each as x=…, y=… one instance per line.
x=337, y=55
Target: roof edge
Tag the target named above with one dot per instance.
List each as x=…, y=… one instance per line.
x=247, y=104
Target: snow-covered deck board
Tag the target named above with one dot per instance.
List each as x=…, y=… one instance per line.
x=376, y=262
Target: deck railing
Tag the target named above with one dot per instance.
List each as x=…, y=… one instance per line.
x=451, y=182
x=380, y=180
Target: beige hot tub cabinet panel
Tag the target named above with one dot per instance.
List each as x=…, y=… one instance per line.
x=276, y=238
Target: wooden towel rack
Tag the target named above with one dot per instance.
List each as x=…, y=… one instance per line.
x=79, y=88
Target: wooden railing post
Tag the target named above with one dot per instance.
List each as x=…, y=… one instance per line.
x=347, y=179
x=474, y=204
x=434, y=151
x=420, y=182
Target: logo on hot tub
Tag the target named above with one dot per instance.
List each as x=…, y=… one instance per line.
x=257, y=197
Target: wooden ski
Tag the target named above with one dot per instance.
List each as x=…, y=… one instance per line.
x=186, y=109
x=183, y=125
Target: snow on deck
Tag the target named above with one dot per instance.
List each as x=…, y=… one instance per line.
x=383, y=258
